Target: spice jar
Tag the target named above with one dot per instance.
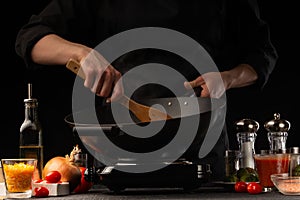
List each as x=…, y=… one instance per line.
x=231, y=162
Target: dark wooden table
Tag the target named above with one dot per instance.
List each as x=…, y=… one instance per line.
x=210, y=192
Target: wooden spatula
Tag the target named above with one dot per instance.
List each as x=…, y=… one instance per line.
x=142, y=112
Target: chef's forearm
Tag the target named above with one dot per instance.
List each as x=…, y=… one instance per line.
x=54, y=50
x=240, y=76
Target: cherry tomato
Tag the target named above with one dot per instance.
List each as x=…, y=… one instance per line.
x=53, y=177
x=84, y=185
x=240, y=186
x=254, y=188
x=41, y=191
x=38, y=181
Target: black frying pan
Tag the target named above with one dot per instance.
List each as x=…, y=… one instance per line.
x=189, y=114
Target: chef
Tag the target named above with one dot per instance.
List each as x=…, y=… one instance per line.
x=231, y=32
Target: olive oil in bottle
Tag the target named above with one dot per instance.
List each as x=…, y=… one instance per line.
x=31, y=145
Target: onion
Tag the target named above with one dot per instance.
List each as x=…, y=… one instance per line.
x=65, y=165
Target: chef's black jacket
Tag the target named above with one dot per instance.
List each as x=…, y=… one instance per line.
x=231, y=31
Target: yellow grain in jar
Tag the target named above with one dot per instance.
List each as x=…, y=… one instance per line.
x=18, y=176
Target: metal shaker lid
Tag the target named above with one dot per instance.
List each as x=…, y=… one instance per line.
x=277, y=124
x=247, y=125
x=294, y=150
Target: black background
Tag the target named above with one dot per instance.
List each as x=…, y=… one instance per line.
x=280, y=94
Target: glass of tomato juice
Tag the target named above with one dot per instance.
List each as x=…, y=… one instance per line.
x=268, y=164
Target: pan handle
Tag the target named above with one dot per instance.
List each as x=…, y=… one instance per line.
x=91, y=130
x=142, y=112
x=194, y=92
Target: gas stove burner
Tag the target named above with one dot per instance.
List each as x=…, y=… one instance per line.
x=180, y=174
x=185, y=173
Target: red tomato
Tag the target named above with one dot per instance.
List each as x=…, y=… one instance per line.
x=38, y=181
x=41, y=191
x=254, y=188
x=53, y=177
x=240, y=186
x=84, y=185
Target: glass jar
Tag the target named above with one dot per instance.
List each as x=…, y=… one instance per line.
x=277, y=133
x=246, y=136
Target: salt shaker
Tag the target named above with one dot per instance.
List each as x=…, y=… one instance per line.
x=277, y=133
x=246, y=136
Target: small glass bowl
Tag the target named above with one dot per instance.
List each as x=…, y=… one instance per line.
x=287, y=185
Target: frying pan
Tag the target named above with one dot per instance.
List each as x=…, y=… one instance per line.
x=111, y=136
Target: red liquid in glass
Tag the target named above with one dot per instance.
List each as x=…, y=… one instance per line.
x=270, y=164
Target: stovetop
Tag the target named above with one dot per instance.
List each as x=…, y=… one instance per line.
x=179, y=174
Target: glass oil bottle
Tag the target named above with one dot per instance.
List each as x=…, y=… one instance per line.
x=30, y=144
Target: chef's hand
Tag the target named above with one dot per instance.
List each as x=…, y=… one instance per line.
x=211, y=84
x=100, y=77
x=214, y=84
